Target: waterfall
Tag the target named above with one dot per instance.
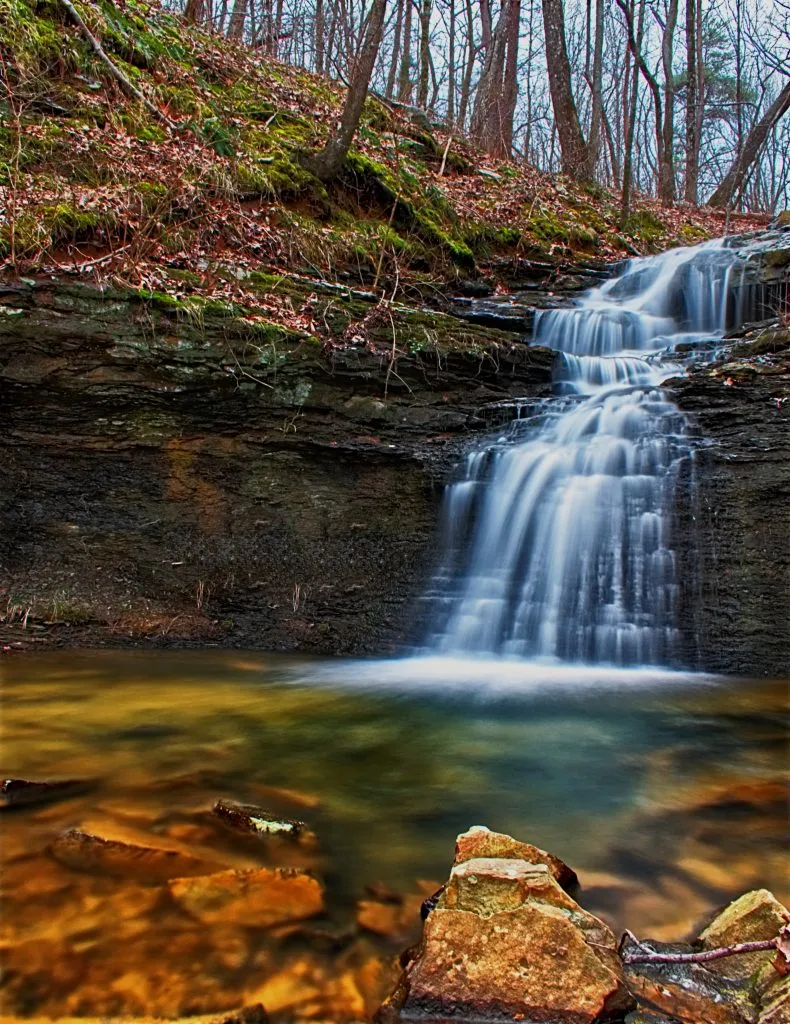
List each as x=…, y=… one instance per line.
x=557, y=536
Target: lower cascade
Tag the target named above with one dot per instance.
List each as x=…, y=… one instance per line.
x=561, y=528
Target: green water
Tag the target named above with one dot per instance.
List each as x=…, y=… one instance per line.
x=665, y=793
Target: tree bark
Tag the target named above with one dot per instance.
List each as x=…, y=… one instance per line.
x=666, y=163
x=742, y=164
x=466, y=84
x=237, y=18
x=573, y=148
x=404, y=80
x=692, y=99
x=327, y=164
x=630, y=129
x=451, y=69
x=318, y=45
x=597, y=89
x=392, y=75
x=196, y=12
x=495, y=101
x=425, y=53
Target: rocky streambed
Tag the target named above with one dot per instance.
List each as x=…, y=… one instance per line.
x=181, y=473
x=224, y=915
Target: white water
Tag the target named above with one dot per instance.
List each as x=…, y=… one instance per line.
x=562, y=527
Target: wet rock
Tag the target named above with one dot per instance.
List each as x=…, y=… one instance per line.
x=753, y=917
x=692, y=992
x=23, y=792
x=258, y=898
x=506, y=941
x=480, y=841
x=86, y=851
x=258, y=822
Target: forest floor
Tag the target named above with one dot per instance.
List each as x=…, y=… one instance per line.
x=207, y=200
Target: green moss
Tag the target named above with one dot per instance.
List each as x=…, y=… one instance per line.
x=546, y=227
x=280, y=178
x=645, y=226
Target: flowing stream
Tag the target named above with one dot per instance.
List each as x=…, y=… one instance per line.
x=562, y=526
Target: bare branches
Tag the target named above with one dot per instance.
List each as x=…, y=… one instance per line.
x=116, y=73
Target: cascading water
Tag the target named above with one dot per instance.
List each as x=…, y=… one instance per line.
x=562, y=527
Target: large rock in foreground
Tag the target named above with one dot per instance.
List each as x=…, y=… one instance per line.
x=507, y=942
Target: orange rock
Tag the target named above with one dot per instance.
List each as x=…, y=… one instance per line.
x=479, y=841
x=257, y=898
x=506, y=940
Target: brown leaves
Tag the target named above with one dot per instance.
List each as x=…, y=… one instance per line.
x=781, y=961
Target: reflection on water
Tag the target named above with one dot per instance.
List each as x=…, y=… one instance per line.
x=665, y=793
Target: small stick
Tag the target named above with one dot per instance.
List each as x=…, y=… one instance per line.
x=117, y=74
x=444, y=155
x=696, y=958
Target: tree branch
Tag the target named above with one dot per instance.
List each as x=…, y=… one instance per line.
x=117, y=74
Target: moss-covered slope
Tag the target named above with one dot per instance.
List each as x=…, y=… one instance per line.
x=95, y=184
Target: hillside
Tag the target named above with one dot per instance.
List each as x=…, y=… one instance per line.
x=207, y=199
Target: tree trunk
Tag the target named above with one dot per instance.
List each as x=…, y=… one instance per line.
x=597, y=89
x=326, y=165
x=196, y=12
x=666, y=163
x=404, y=80
x=573, y=148
x=392, y=76
x=425, y=53
x=630, y=129
x=466, y=84
x=318, y=38
x=237, y=19
x=635, y=45
x=692, y=99
x=740, y=167
x=451, y=69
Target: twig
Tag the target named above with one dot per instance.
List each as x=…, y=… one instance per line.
x=696, y=958
x=117, y=74
x=444, y=155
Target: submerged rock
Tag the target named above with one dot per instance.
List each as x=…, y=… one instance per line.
x=258, y=822
x=507, y=942
x=23, y=792
x=257, y=898
x=85, y=851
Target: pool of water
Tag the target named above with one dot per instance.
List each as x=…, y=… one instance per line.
x=666, y=792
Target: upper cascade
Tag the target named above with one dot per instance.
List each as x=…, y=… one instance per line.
x=561, y=528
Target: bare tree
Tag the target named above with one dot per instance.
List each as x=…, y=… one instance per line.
x=575, y=152
x=742, y=164
x=327, y=164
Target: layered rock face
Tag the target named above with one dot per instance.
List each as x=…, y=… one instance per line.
x=180, y=481
x=175, y=479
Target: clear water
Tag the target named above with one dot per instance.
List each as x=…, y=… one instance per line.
x=557, y=540
x=667, y=792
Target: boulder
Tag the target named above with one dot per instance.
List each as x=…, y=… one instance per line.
x=258, y=898
x=507, y=942
x=479, y=841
